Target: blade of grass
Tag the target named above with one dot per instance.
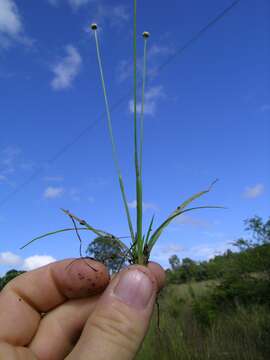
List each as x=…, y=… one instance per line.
x=100, y=233
x=84, y=223
x=178, y=211
x=196, y=196
x=141, y=239
x=175, y=214
x=109, y=121
x=50, y=233
x=149, y=229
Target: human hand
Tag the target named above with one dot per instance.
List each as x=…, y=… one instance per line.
x=87, y=316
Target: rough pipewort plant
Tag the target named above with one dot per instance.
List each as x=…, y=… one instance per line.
x=142, y=243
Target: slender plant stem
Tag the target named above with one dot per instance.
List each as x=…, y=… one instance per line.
x=143, y=102
x=121, y=183
x=144, y=241
x=137, y=168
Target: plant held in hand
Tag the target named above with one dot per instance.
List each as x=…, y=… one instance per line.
x=142, y=242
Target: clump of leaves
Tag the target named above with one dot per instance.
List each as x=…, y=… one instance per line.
x=142, y=242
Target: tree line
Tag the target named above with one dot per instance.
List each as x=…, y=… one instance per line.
x=250, y=261
x=251, y=258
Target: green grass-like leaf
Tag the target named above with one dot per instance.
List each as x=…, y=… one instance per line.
x=87, y=227
x=180, y=210
x=142, y=244
x=196, y=196
x=149, y=229
x=175, y=214
x=109, y=122
x=100, y=233
x=84, y=223
x=49, y=234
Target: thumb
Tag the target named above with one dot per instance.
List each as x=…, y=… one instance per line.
x=120, y=320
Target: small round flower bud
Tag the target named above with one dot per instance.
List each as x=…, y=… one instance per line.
x=94, y=26
x=146, y=34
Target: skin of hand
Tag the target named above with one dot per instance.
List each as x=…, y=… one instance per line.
x=72, y=310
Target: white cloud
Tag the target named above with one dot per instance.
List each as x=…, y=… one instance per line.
x=53, y=192
x=36, y=261
x=8, y=258
x=11, y=26
x=255, y=191
x=146, y=206
x=66, y=70
x=30, y=263
x=10, y=20
x=152, y=96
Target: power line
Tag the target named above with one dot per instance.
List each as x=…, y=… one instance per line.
x=67, y=146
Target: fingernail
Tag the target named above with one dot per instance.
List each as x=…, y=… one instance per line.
x=134, y=288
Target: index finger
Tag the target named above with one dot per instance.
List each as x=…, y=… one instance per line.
x=24, y=299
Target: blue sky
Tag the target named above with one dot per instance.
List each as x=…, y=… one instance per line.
x=207, y=117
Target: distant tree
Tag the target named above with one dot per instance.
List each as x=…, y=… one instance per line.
x=251, y=260
x=174, y=262
x=11, y=274
x=260, y=234
x=243, y=244
x=189, y=267
x=201, y=271
x=260, y=230
x=107, y=251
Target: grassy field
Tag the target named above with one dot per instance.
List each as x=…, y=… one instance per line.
x=242, y=334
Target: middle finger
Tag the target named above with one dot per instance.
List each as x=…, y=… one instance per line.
x=60, y=329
